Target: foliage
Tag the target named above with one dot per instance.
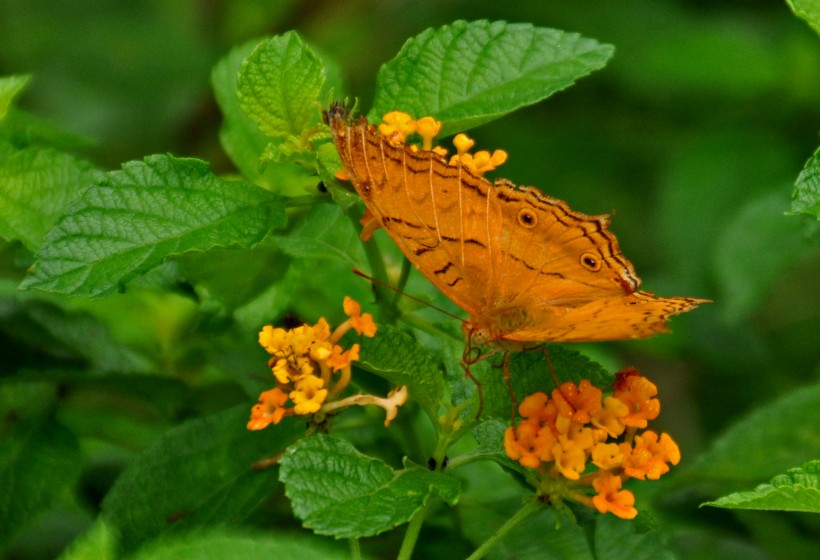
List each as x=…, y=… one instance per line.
x=131, y=297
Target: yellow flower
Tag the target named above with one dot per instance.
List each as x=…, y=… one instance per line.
x=273, y=340
x=570, y=458
x=311, y=370
x=609, y=417
x=397, y=127
x=607, y=456
x=308, y=395
x=463, y=143
x=610, y=497
x=428, y=128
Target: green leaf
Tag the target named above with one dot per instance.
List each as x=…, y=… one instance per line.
x=338, y=491
x=279, y=86
x=70, y=335
x=767, y=441
x=324, y=233
x=796, y=490
x=619, y=539
x=10, y=86
x=395, y=356
x=231, y=545
x=530, y=373
x=37, y=183
x=98, y=543
x=241, y=138
x=760, y=229
x=806, y=195
x=198, y=474
x=469, y=73
x=133, y=219
x=808, y=10
x=39, y=461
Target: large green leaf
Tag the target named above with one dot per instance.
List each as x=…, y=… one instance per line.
x=398, y=358
x=126, y=224
x=758, y=245
x=796, y=490
x=767, y=441
x=234, y=545
x=39, y=461
x=530, y=372
x=809, y=10
x=279, y=86
x=469, y=73
x=35, y=186
x=337, y=491
x=619, y=539
x=806, y=195
x=198, y=474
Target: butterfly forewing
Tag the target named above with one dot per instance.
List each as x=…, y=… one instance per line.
x=524, y=265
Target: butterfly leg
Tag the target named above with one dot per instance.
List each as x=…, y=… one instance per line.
x=510, y=390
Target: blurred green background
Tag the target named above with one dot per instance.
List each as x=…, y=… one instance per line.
x=693, y=136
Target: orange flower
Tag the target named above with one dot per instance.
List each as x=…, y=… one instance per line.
x=579, y=402
x=269, y=410
x=362, y=323
x=650, y=455
x=610, y=497
x=636, y=392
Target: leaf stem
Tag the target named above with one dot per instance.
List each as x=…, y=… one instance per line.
x=529, y=508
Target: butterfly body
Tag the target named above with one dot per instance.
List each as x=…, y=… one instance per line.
x=523, y=265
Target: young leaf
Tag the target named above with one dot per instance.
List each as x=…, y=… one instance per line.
x=768, y=441
x=130, y=221
x=38, y=463
x=279, y=86
x=10, y=86
x=338, y=491
x=241, y=138
x=198, y=474
x=469, y=73
x=37, y=184
x=796, y=490
x=806, y=195
x=395, y=356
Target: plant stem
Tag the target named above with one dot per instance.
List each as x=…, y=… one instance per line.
x=412, y=534
x=529, y=508
x=355, y=549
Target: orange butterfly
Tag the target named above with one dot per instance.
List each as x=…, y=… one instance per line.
x=526, y=267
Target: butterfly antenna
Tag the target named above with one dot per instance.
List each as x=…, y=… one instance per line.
x=383, y=284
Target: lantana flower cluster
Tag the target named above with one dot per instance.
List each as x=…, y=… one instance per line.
x=585, y=439
x=398, y=126
x=311, y=370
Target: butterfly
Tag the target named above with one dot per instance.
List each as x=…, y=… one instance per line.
x=526, y=267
